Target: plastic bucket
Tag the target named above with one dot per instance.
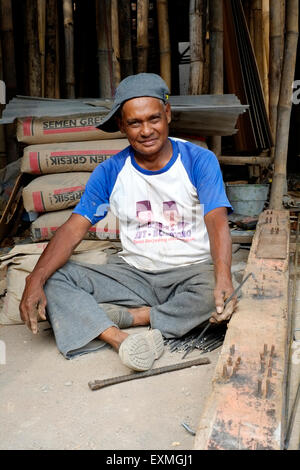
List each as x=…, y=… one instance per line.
x=247, y=199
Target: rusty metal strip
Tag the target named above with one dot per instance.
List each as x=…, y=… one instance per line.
x=245, y=408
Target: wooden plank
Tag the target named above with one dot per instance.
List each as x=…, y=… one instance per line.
x=241, y=238
x=272, y=242
x=246, y=160
x=245, y=408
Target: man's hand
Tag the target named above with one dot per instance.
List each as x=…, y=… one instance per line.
x=220, y=246
x=33, y=304
x=223, y=291
x=57, y=253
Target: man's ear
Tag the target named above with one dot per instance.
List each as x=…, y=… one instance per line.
x=168, y=112
x=119, y=121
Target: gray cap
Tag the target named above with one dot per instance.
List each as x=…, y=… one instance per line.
x=134, y=86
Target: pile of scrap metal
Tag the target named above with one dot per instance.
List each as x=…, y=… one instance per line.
x=210, y=341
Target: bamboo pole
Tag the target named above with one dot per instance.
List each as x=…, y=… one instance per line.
x=142, y=35
x=164, y=41
x=69, y=47
x=285, y=104
x=115, y=39
x=196, y=47
x=125, y=38
x=247, y=12
x=216, y=58
x=8, y=48
x=41, y=10
x=34, y=60
x=266, y=49
x=58, y=55
x=3, y=160
x=103, y=22
x=51, y=47
x=277, y=22
x=258, y=36
x=9, y=76
x=206, y=68
x=246, y=160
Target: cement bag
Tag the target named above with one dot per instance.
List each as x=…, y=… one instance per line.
x=33, y=130
x=65, y=157
x=45, y=226
x=54, y=192
x=15, y=267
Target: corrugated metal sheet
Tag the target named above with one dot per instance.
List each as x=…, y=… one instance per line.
x=203, y=114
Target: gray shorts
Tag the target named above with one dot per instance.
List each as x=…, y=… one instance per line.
x=180, y=300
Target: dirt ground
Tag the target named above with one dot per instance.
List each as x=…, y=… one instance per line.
x=46, y=402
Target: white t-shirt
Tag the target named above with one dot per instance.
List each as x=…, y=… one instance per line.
x=161, y=213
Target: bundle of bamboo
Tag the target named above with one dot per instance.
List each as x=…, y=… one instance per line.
x=285, y=104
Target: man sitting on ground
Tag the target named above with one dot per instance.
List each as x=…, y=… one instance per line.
x=174, y=270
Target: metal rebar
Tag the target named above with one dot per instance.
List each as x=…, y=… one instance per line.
x=97, y=384
x=209, y=324
x=186, y=426
x=215, y=346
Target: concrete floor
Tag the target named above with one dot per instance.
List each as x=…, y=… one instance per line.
x=46, y=402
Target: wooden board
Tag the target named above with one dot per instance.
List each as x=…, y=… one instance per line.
x=245, y=408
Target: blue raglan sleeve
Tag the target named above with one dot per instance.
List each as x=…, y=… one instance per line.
x=209, y=183
x=94, y=202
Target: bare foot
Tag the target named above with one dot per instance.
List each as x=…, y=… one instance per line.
x=141, y=316
x=113, y=336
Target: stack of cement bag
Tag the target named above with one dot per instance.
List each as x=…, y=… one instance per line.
x=63, y=152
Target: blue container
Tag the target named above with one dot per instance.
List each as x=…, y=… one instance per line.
x=247, y=199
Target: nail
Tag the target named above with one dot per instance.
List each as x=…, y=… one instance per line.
x=239, y=360
x=232, y=349
x=262, y=366
x=229, y=361
x=268, y=388
x=265, y=349
x=270, y=372
x=225, y=373
x=270, y=362
x=262, y=358
x=272, y=350
x=259, y=387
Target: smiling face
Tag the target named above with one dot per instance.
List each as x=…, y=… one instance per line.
x=145, y=121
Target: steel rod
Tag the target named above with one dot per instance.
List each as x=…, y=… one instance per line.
x=97, y=384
